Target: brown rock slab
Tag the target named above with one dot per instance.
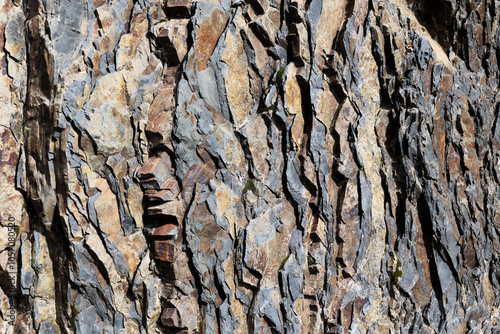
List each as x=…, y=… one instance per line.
x=106, y=207
x=207, y=35
x=165, y=195
x=257, y=142
x=167, y=230
x=181, y=313
x=170, y=317
x=165, y=250
x=197, y=173
x=173, y=209
x=160, y=121
x=236, y=79
x=155, y=174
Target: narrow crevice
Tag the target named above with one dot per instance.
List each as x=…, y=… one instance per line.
x=191, y=266
x=424, y=216
x=61, y=256
x=437, y=17
x=98, y=263
x=245, y=146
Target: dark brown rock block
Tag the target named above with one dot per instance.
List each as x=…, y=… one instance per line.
x=165, y=250
x=156, y=173
x=170, y=317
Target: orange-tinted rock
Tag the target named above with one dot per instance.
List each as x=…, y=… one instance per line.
x=159, y=126
x=165, y=231
x=207, y=35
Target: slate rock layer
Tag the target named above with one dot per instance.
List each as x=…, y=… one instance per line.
x=260, y=166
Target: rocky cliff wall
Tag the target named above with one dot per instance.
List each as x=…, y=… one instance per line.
x=253, y=166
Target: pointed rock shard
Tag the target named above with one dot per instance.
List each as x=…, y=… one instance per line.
x=159, y=126
x=266, y=26
x=167, y=230
x=174, y=209
x=207, y=35
x=172, y=36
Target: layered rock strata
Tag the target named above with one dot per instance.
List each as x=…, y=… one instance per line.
x=250, y=166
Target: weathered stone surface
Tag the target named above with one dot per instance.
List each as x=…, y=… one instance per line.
x=172, y=36
x=239, y=96
x=158, y=168
x=170, y=209
x=210, y=26
x=234, y=167
x=159, y=125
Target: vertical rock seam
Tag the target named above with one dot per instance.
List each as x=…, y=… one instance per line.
x=255, y=166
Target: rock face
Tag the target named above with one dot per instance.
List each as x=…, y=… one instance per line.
x=261, y=166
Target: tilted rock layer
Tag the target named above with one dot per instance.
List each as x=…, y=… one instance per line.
x=260, y=166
